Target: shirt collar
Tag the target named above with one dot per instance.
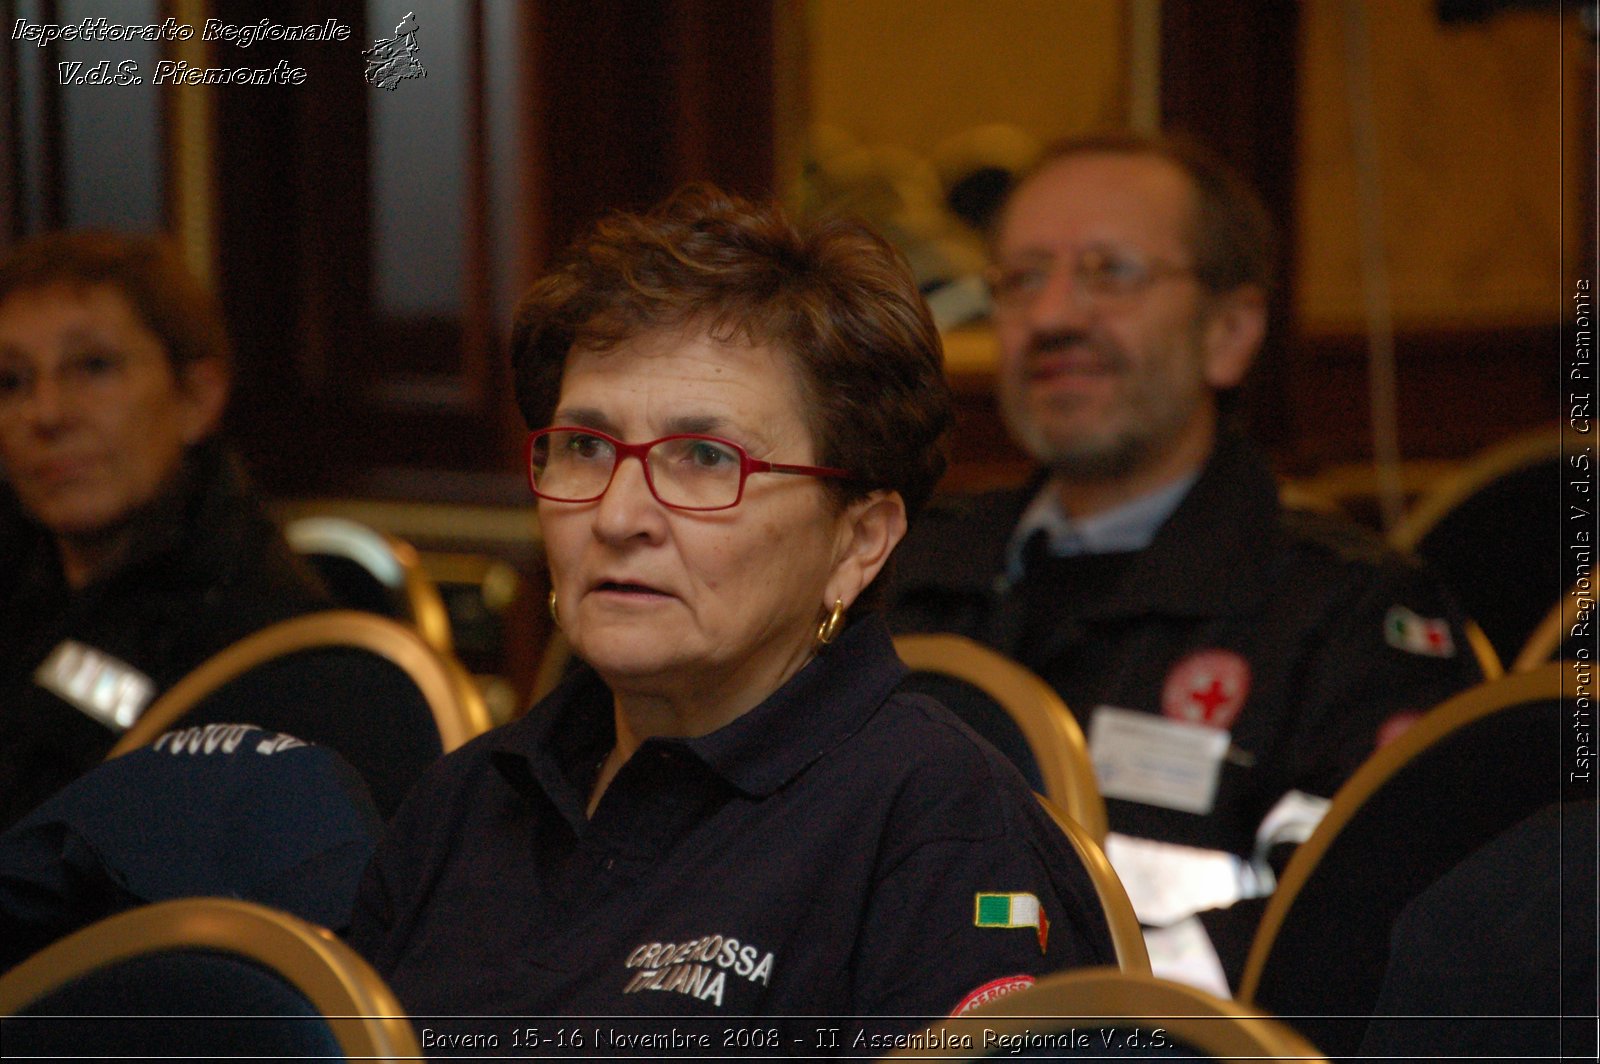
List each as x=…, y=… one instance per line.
x=818, y=708
x=1130, y=526
x=822, y=705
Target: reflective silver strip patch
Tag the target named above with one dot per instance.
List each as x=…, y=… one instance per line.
x=206, y=739
x=106, y=688
x=1289, y=822
x=1167, y=882
x=1184, y=953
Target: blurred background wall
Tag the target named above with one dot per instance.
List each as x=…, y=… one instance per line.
x=1431, y=163
x=370, y=243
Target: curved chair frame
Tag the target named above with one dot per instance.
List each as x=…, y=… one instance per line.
x=365, y=1017
x=1049, y=727
x=390, y=560
x=1546, y=639
x=458, y=707
x=1488, y=658
x=1477, y=472
x=1302, y=495
x=1095, y=997
x=1127, y=936
x=1336, y=489
x=1548, y=682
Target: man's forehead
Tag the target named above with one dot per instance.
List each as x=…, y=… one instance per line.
x=1115, y=197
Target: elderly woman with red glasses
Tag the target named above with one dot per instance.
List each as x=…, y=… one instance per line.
x=728, y=811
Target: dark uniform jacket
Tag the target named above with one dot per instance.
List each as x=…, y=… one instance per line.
x=222, y=810
x=209, y=568
x=839, y=851
x=1298, y=634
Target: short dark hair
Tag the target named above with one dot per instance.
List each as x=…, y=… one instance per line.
x=833, y=296
x=1234, y=241
x=149, y=273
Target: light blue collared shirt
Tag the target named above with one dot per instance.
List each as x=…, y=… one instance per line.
x=1128, y=527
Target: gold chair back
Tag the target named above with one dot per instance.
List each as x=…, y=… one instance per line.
x=1472, y=476
x=1052, y=733
x=362, y=1012
x=389, y=560
x=1575, y=608
x=1127, y=937
x=1488, y=657
x=1465, y=771
x=455, y=701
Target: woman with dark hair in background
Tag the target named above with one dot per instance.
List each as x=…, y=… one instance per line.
x=133, y=548
x=728, y=810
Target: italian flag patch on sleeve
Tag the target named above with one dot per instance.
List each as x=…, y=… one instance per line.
x=1011, y=910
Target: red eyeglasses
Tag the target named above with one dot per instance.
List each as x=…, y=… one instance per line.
x=684, y=471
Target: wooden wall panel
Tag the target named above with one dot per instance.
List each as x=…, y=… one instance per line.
x=1228, y=79
x=1480, y=135
x=624, y=102
x=912, y=73
x=635, y=99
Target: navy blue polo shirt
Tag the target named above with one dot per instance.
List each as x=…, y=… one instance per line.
x=840, y=851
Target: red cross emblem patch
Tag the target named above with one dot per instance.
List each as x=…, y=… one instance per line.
x=1207, y=687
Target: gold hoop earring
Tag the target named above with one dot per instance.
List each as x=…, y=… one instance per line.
x=555, y=616
x=828, y=629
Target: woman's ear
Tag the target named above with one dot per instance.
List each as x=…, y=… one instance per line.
x=869, y=530
x=203, y=390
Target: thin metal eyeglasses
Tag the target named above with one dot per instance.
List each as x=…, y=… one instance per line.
x=1101, y=276
x=684, y=471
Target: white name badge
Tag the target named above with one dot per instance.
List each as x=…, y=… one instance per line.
x=106, y=688
x=1140, y=757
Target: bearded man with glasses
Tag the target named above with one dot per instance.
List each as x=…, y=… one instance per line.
x=1231, y=662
